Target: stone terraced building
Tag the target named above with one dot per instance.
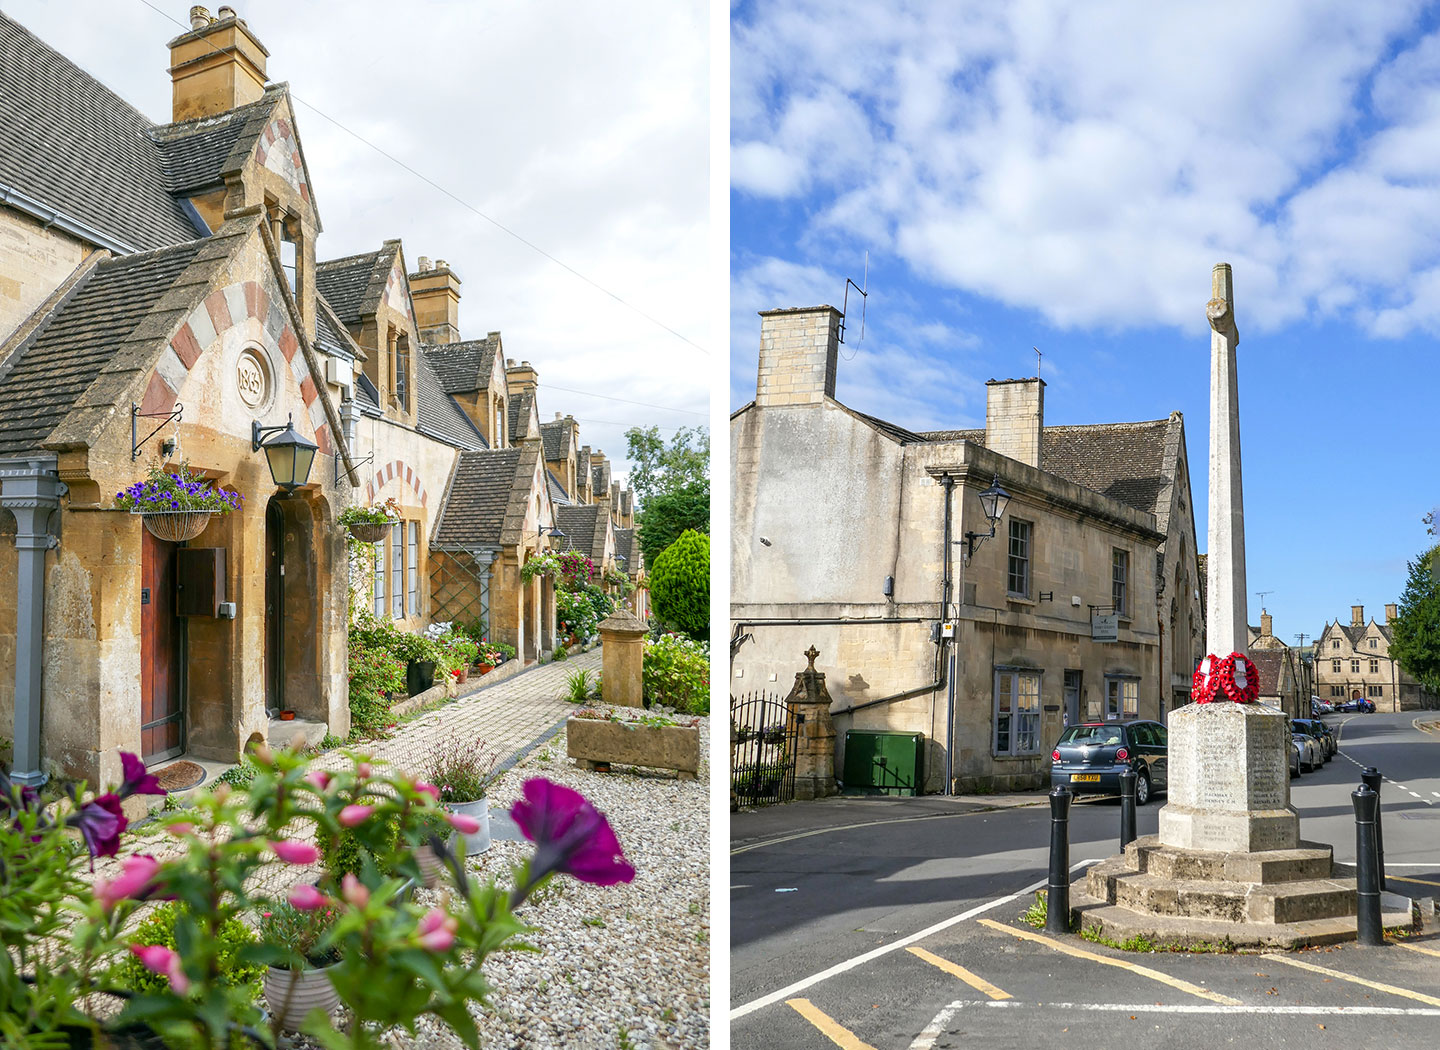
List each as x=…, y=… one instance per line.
x=1352, y=661
x=160, y=293
x=843, y=537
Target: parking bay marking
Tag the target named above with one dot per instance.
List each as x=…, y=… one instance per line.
x=1143, y=971
x=956, y=970
x=1420, y=997
x=829, y=1028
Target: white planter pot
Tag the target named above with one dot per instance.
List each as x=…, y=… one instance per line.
x=480, y=810
x=291, y=994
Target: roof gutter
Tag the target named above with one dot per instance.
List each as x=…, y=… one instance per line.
x=50, y=217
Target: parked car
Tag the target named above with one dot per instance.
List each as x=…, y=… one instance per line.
x=1320, y=707
x=1321, y=732
x=1312, y=755
x=1359, y=704
x=1089, y=758
x=1297, y=754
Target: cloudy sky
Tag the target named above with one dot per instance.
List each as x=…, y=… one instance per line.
x=581, y=127
x=1065, y=175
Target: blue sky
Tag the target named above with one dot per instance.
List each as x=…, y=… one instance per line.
x=1065, y=175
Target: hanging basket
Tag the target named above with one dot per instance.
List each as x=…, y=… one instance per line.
x=176, y=526
x=369, y=532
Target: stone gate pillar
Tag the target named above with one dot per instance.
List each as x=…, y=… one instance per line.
x=815, y=733
x=622, y=641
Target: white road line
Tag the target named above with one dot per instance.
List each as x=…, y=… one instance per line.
x=849, y=964
x=926, y=1039
x=1203, y=1008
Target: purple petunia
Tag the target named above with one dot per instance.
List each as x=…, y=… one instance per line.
x=137, y=780
x=101, y=823
x=570, y=835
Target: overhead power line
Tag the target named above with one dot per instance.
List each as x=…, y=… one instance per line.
x=466, y=204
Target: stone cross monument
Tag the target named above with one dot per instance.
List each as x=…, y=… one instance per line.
x=1225, y=618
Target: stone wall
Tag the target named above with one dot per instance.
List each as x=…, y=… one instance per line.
x=34, y=261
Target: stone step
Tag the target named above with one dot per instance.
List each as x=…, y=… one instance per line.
x=1237, y=902
x=283, y=732
x=1267, y=867
x=1120, y=924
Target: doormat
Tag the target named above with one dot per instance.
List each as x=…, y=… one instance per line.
x=178, y=776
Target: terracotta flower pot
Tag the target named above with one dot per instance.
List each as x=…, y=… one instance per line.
x=479, y=842
x=291, y=994
x=484, y=668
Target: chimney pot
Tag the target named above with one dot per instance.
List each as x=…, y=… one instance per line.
x=509, y=362
x=441, y=264
x=424, y=263
x=199, y=17
x=225, y=11
x=559, y=416
x=217, y=65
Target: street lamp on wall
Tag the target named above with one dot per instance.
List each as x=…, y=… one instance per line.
x=289, y=455
x=552, y=534
x=993, y=502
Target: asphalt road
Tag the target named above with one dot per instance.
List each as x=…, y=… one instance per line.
x=816, y=887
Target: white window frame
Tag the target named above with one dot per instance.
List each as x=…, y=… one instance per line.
x=412, y=566
x=378, y=603
x=397, y=571
x=1122, y=698
x=1024, y=559
x=1120, y=581
x=1019, y=689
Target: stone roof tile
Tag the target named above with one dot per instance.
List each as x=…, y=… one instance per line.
x=465, y=366
x=479, y=498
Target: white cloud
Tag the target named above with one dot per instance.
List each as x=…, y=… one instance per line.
x=587, y=134
x=1091, y=161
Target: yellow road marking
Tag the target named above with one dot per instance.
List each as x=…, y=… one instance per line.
x=1413, y=947
x=836, y=1033
x=1378, y=986
x=1143, y=971
x=956, y=970
x=1402, y=878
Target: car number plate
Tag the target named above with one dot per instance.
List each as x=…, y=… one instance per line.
x=1084, y=778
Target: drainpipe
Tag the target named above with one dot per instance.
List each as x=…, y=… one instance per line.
x=949, y=484
x=31, y=490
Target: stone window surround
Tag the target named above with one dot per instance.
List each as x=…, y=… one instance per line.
x=1026, y=560
x=394, y=581
x=1015, y=674
x=1120, y=582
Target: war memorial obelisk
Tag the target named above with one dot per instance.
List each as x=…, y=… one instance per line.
x=1228, y=865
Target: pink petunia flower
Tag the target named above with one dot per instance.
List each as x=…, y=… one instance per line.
x=136, y=875
x=437, y=930
x=354, y=891
x=428, y=789
x=570, y=835
x=295, y=852
x=318, y=778
x=159, y=959
x=355, y=814
x=306, y=898
x=463, y=823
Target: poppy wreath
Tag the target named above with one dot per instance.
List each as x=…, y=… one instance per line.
x=1217, y=679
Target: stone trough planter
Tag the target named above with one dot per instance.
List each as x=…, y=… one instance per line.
x=592, y=741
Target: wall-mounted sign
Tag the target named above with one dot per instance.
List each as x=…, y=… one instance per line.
x=1104, y=627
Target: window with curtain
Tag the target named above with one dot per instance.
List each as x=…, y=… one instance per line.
x=1122, y=698
x=397, y=569
x=1017, y=713
x=379, y=607
x=412, y=561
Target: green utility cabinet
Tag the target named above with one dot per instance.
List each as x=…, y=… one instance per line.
x=883, y=763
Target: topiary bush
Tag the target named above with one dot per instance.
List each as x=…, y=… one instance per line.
x=159, y=928
x=680, y=585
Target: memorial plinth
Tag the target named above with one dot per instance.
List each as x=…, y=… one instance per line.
x=1229, y=780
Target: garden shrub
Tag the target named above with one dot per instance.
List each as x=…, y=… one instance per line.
x=353, y=848
x=159, y=928
x=676, y=673
x=680, y=585
x=374, y=672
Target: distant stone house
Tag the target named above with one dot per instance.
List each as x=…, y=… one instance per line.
x=844, y=536
x=1353, y=662
x=1283, y=675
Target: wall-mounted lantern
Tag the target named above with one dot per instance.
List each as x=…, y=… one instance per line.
x=993, y=502
x=288, y=454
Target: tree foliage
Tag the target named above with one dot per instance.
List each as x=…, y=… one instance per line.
x=669, y=514
x=680, y=585
x=1415, y=631
x=658, y=468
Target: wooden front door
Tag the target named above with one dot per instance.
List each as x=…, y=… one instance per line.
x=274, y=609
x=161, y=718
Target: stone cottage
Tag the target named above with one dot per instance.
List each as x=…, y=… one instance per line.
x=160, y=296
x=851, y=533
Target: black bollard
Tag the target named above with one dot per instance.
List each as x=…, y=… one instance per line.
x=1057, y=894
x=1127, y=808
x=1367, y=875
x=1370, y=777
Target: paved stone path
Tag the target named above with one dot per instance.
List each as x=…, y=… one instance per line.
x=509, y=716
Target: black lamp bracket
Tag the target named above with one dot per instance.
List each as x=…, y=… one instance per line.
x=258, y=434
x=135, y=415
x=973, y=540
x=356, y=464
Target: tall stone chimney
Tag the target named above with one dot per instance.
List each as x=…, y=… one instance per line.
x=1357, y=616
x=520, y=378
x=218, y=65
x=1015, y=418
x=798, y=351
x=1267, y=625
x=435, y=291
x=1392, y=613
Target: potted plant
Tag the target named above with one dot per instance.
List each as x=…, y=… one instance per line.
x=463, y=771
x=420, y=655
x=301, y=981
x=370, y=524
x=176, y=507
x=461, y=651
